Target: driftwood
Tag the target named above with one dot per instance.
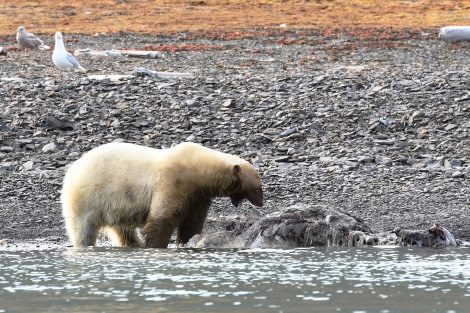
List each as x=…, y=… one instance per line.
x=137, y=71
x=454, y=33
x=111, y=77
x=296, y=226
x=435, y=236
x=163, y=75
x=116, y=53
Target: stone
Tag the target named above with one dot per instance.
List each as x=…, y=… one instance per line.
x=28, y=165
x=227, y=103
x=7, y=149
x=450, y=127
x=115, y=112
x=49, y=148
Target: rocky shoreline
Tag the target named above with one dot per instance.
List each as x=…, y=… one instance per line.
x=378, y=128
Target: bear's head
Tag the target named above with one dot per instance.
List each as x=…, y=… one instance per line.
x=248, y=187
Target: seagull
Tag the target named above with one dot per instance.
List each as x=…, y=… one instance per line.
x=63, y=59
x=454, y=33
x=29, y=41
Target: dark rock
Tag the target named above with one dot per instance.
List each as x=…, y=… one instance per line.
x=55, y=123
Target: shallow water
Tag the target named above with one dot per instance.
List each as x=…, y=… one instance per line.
x=375, y=279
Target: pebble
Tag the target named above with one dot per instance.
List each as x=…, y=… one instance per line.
x=28, y=165
x=50, y=147
x=227, y=103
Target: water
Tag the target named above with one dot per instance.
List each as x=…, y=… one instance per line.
x=375, y=279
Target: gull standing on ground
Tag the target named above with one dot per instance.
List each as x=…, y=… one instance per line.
x=29, y=41
x=63, y=59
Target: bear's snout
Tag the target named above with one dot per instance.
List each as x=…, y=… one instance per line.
x=257, y=201
x=256, y=197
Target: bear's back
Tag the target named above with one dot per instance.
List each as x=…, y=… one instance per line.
x=123, y=161
x=111, y=160
x=199, y=155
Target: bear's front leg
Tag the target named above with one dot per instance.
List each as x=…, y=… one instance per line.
x=193, y=221
x=164, y=216
x=158, y=232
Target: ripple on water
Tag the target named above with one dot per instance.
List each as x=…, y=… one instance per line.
x=349, y=280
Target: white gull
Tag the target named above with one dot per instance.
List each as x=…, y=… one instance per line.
x=63, y=59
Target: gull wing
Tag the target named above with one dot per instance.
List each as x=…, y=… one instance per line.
x=33, y=39
x=72, y=60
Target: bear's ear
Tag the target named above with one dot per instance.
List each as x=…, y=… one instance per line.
x=237, y=169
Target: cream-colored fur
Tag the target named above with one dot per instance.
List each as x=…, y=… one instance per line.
x=121, y=186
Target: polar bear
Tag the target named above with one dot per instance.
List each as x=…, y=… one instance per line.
x=121, y=186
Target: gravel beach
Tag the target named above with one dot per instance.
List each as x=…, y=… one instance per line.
x=377, y=127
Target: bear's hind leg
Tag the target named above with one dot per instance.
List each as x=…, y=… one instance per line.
x=81, y=233
x=125, y=237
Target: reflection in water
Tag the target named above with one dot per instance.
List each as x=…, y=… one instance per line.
x=184, y=280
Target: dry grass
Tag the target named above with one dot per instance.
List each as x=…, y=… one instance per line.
x=147, y=16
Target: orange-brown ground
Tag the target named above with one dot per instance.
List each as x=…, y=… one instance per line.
x=229, y=16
